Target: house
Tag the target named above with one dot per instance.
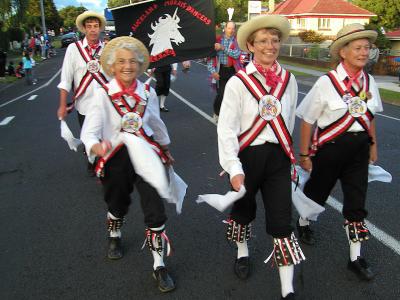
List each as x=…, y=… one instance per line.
x=394, y=38
x=323, y=16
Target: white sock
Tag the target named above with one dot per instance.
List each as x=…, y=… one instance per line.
x=286, y=275
x=243, y=250
x=158, y=257
x=303, y=222
x=162, y=101
x=355, y=247
x=114, y=233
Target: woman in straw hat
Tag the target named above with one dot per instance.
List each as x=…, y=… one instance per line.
x=342, y=104
x=254, y=139
x=126, y=115
x=81, y=69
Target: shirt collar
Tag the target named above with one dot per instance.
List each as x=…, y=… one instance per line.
x=85, y=43
x=113, y=88
x=251, y=68
x=343, y=74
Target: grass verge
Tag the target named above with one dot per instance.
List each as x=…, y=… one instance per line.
x=390, y=96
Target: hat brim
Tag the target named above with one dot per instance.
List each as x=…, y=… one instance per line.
x=116, y=44
x=89, y=14
x=269, y=21
x=339, y=43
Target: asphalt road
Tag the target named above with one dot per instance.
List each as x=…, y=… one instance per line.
x=52, y=217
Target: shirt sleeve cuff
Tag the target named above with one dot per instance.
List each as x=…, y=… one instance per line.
x=64, y=85
x=235, y=169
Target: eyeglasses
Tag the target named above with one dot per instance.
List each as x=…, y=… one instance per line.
x=264, y=43
x=122, y=62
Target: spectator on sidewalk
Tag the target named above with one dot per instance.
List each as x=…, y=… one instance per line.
x=373, y=58
x=27, y=65
x=3, y=59
x=11, y=69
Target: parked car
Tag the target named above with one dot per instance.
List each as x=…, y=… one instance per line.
x=68, y=38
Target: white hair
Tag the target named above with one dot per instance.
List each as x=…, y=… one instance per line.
x=126, y=46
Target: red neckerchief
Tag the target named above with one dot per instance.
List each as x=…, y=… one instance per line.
x=269, y=74
x=94, y=46
x=130, y=91
x=353, y=78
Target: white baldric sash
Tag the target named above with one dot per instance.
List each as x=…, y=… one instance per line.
x=92, y=72
x=277, y=124
x=122, y=107
x=340, y=126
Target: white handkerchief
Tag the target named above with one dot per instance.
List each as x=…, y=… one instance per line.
x=221, y=202
x=307, y=208
x=377, y=173
x=177, y=189
x=67, y=135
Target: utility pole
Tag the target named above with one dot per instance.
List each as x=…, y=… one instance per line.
x=43, y=20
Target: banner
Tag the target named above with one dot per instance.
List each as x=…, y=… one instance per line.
x=172, y=31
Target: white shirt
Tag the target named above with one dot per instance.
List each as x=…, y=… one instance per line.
x=324, y=105
x=238, y=112
x=103, y=122
x=73, y=69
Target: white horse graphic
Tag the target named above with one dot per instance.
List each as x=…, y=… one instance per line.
x=166, y=30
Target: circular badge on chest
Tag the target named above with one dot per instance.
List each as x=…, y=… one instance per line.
x=269, y=107
x=93, y=66
x=357, y=107
x=131, y=122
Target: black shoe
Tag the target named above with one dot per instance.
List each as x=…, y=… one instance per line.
x=289, y=296
x=361, y=268
x=242, y=267
x=164, y=109
x=306, y=235
x=165, y=282
x=114, y=248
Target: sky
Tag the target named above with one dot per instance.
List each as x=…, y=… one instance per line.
x=95, y=5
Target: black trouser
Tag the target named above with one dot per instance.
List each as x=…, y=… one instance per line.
x=346, y=159
x=163, y=77
x=119, y=178
x=81, y=119
x=266, y=168
x=224, y=74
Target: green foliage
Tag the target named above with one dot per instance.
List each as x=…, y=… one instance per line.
x=311, y=36
x=382, y=42
x=53, y=20
x=15, y=34
x=70, y=13
x=387, y=11
x=116, y=3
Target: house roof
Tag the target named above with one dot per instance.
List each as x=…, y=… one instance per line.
x=320, y=7
x=393, y=34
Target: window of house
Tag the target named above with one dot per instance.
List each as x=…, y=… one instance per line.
x=324, y=23
x=301, y=23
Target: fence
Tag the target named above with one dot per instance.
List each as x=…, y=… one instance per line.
x=387, y=65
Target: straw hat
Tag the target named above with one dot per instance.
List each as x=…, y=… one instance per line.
x=115, y=44
x=268, y=21
x=89, y=14
x=350, y=33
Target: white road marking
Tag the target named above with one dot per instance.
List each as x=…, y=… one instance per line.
x=379, y=234
x=33, y=97
x=28, y=93
x=382, y=115
x=6, y=121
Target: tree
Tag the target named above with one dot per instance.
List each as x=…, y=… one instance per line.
x=116, y=3
x=53, y=19
x=70, y=13
x=387, y=11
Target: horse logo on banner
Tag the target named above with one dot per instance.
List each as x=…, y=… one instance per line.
x=166, y=30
